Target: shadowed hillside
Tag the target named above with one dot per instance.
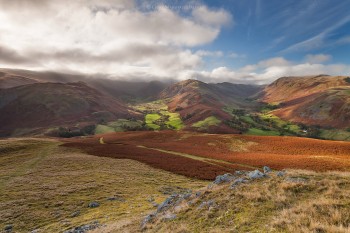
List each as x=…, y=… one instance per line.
x=45, y=105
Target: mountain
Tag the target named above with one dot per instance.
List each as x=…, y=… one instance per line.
x=8, y=80
x=318, y=100
x=121, y=89
x=45, y=105
x=197, y=101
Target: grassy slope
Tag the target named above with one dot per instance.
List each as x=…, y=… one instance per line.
x=207, y=122
x=41, y=185
x=320, y=204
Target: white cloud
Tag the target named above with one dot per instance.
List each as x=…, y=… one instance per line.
x=214, y=18
x=206, y=53
x=317, y=58
x=110, y=36
x=266, y=71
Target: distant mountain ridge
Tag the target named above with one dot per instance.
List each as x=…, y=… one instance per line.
x=42, y=100
x=318, y=100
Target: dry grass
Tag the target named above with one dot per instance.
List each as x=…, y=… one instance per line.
x=321, y=204
x=43, y=184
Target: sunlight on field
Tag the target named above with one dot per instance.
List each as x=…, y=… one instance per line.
x=207, y=122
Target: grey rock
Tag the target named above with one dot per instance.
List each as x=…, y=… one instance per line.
x=239, y=173
x=237, y=182
x=147, y=220
x=280, y=173
x=224, y=178
x=198, y=194
x=169, y=217
x=256, y=175
x=206, y=204
x=93, y=204
x=187, y=195
x=8, y=228
x=75, y=214
x=267, y=169
x=167, y=203
x=154, y=204
x=84, y=228
x=116, y=199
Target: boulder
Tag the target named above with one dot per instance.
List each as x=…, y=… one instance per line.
x=148, y=219
x=8, y=228
x=169, y=217
x=280, y=173
x=224, y=178
x=256, y=175
x=93, y=204
x=267, y=169
x=237, y=182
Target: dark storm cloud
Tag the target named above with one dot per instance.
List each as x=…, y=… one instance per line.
x=10, y=56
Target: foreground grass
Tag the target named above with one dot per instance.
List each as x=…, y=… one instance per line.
x=43, y=186
x=318, y=203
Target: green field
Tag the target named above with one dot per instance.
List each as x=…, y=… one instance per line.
x=174, y=120
x=119, y=125
x=335, y=134
x=259, y=132
x=150, y=120
x=207, y=122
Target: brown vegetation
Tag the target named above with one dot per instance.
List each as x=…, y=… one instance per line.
x=236, y=151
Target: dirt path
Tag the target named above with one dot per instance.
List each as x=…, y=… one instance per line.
x=203, y=159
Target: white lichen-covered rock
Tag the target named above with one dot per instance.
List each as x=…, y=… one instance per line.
x=267, y=169
x=224, y=178
x=256, y=175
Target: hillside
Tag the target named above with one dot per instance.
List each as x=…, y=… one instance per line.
x=45, y=105
x=318, y=100
x=197, y=101
x=8, y=80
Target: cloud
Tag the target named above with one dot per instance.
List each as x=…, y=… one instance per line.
x=214, y=18
x=109, y=36
x=266, y=71
x=317, y=58
x=206, y=53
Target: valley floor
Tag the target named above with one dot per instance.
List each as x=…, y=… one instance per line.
x=48, y=185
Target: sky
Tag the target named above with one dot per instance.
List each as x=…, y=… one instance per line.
x=239, y=41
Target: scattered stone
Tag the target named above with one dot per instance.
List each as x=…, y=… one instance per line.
x=187, y=195
x=167, y=203
x=151, y=199
x=148, y=219
x=84, y=228
x=116, y=199
x=280, y=173
x=224, y=178
x=267, y=169
x=237, y=182
x=256, y=175
x=75, y=214
x=93, y=204
x=169, y=217
x=198, y=194
x=239, y=173
x=296, y=180
x=8, y=228
x=154, y=204
x=206, y=204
